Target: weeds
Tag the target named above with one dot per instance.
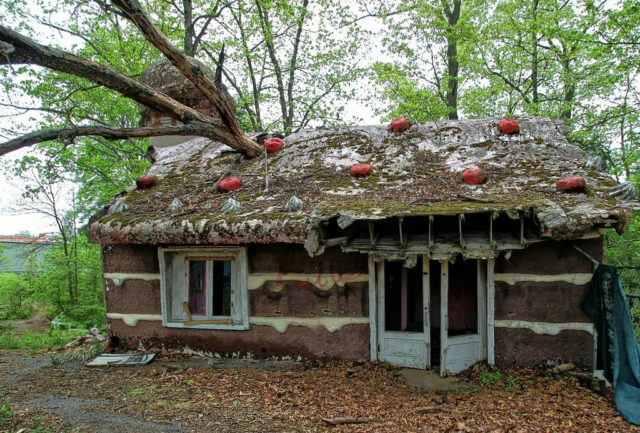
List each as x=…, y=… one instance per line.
x=51, y=339
x=80, y=354
x=495, y=378
x=6, y=414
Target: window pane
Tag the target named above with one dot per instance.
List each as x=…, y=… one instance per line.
x=221, y=299
x=197, y=284
x=403, y=297
x=463, y=298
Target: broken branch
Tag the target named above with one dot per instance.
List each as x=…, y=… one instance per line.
x=68, y=134
x=194, y=73
x=348, y=420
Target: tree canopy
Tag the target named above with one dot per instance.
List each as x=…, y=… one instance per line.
x=292, y=64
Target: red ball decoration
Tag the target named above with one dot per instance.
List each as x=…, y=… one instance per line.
x=361, y=170
x=509, y=126
x=572, y=185
x=273, y=145
x=474, y=176
x=229, y=184
x=399, y=125
x=145, y=182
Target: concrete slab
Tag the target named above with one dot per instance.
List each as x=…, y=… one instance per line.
x=430, y=380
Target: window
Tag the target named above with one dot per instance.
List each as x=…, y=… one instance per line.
x=204, y=288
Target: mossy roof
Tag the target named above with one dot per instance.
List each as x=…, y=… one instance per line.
x=417, y=172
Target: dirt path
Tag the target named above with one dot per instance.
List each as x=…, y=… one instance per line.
x=210, y=395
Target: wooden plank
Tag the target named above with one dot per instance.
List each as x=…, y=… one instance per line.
x=371, y=233
x=205, y=258
x=461, y=236
x=482, y=306
x=373, y=324
x=209, y=322
x=521, y=217
x=426, y=301
x=185, y=305
x=444, y=314
x=490, y=312
x=404, y=306
x=431, y=238
x=380, y=299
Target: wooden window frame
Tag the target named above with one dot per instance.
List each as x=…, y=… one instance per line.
x=174, y=287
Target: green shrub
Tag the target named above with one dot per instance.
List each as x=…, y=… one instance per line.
x=87, y=316
x=14, y=293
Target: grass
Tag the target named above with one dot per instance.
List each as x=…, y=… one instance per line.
x=52, y=339
x=495, y=378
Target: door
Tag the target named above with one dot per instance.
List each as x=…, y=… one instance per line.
x=403, y=314
x=463, y=314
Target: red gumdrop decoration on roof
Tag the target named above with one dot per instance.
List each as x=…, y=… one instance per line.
x=572, y=185
x=361, y=170
x=509, y=126
x=229, y=184
x=273, y=145
x=399, y=125
x=145, y=182
x=474, y=176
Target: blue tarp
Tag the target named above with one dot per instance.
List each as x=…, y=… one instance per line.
x=618, y=351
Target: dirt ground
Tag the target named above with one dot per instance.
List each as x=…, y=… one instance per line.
x=188, y=394
x=36, y=323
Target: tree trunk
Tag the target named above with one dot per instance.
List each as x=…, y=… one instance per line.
x=569, y=89
x=189, y=47
x=452, y=58
x=534, y=58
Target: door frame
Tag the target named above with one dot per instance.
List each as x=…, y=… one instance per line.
x=485, y=308
x=479, y=338
x=377, y=316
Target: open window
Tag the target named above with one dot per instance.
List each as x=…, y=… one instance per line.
x=204, y=287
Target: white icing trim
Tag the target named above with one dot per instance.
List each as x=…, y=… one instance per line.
x=544, y=327
x=331, y=324
x=133, y=319
x=120, y=277
x=321, y=281
x=280, y=324
x=511, y=279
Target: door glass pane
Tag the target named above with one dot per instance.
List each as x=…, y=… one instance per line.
x=221, y=299
x=463, y=298
x=197, y=284
x=403, y=297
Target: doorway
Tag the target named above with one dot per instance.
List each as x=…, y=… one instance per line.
x=433, y=314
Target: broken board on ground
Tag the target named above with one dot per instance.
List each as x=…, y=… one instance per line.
x=111, y=360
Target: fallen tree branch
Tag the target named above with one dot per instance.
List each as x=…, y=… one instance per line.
x=194, y=73
x=348, y=420
x=68, y=134
x=28, y=51
x=19, y=49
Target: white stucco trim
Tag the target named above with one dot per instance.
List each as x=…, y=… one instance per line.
x=331, y=324
x=120, y=277
x=133, y=319
x=545, y=327
x=321, y=281
x=511, y=279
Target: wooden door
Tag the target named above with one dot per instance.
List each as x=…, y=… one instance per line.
x=403, y=314
x=463, y=314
